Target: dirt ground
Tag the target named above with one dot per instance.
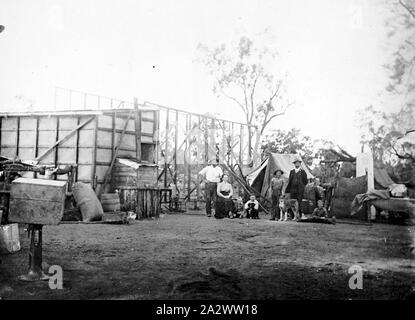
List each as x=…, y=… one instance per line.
x=190, y=256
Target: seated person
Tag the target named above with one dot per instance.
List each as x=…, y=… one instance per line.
x=239, y=208
x=252, y=208
x=320, y=211
x=320, y=214
x=224, y=203
x=314, y=192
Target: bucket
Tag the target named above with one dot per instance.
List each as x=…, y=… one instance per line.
x=9, y=238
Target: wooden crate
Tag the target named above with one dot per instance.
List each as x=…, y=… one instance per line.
x=127, y=172
x=37, y=201
x=143, y=201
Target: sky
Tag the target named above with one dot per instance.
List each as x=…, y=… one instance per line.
x=332, y=51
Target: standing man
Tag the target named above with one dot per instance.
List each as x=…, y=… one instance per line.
x=277, y=189
x=297, y=182
x=212, y=173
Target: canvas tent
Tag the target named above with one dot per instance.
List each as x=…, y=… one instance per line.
x=260, y=177
x=382, y=179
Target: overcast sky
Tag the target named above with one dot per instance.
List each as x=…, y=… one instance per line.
x=333, y=52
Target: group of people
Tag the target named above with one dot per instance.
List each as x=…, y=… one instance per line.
x=219, y=191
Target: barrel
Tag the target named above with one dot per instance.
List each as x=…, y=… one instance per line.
x=145, y=202
x=110, y=202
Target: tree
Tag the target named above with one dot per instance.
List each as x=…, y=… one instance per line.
x=391, y=138
x=333, y=162
x=280, y=141
x=401, y=27
x=241, y=75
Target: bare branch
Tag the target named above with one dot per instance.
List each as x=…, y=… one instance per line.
x=406, y=156
x=265, y=124
x=233, y=99
x=407, y=8
x=406, y=133
x=246, y=101
x=253, y=92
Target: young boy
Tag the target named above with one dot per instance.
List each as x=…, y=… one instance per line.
x=252, y=208
x=320, y=214
x=277, y=189
x=239, y=208
x=320, y=211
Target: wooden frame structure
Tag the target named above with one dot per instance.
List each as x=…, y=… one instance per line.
x=89, y=139
x=91, y=131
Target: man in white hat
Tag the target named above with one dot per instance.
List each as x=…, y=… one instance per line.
x=213, y=174
x=297, y=182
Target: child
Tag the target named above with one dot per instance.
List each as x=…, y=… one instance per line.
x=252, y=208
x=320, y=213
x=239, y=208
x=277, y=189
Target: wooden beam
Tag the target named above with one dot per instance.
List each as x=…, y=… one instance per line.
x=137, y=130
x=197, y=161
x=36, y=146
x=56, y=148
x=176, y=138
x=75, y=179
x=113, y=135
x=188, y=154
x=18, y=136
x=108, y=172
x=1, y=124
x=166, y=148
x=146, y=103
x=65, y=138
x=206, y=140
x=241, y=148
x=94, y=154
x=156, y=129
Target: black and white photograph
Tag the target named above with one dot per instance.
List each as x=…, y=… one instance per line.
x=207, y=155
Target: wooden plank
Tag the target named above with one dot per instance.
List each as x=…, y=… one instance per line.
x=114, y=116
x=156, y=136
x=36, y=146
x=75, y=179
x=107, y=174
x=176, y=138
x=241, y=139
x=17, y=136
x=188, y=155
x=126, y=131
x=64, y=139
x=56, y=147
x=94, y=153
x=166, y=149
x=138, y=129
x=1, y=131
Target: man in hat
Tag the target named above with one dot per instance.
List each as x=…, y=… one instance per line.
x=277, y=189
x=213, y=174
x=296, y=182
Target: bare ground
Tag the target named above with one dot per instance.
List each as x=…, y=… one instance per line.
x=190, y=256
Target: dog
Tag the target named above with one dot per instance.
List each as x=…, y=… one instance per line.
x=289, y=204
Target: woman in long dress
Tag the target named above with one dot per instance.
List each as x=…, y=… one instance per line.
x=224, y=202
